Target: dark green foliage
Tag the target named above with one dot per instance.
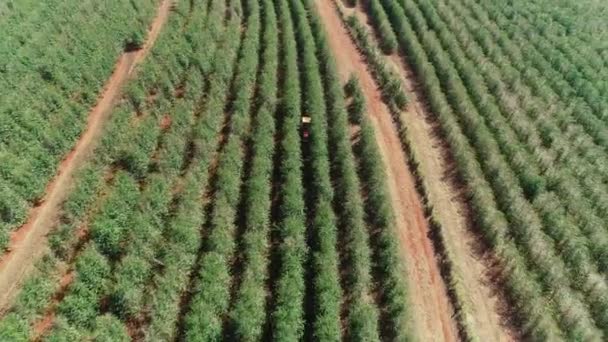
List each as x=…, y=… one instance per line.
x=212, y=297
x=110, y=329
x=389, y=81
x=246, y=316
x=327, y=293
x=135, y=41
x=14, y=328
x=384, y=31
x=287, y=314
x=81, y=305
x=356, y=108
x=362, y=312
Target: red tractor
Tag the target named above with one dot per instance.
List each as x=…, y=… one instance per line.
x=305, y=128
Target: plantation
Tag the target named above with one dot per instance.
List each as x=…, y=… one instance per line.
x=327, y=170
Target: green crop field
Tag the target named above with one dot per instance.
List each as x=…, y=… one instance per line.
x=319, y=170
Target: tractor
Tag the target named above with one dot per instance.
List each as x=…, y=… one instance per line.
x=305, y=128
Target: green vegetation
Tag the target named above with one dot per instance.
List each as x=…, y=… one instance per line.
x=212, y=290
x=45, y=98
x=247, y=319
x=389, y=81
x=287, y=321
x=494, y=87
x=386, y=35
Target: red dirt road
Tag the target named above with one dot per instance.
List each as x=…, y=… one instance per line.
x=29, y=241
x=476, y=269
x=430, y=306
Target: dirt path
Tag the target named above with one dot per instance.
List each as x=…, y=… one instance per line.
x=432, y=311
x=472, y=263
x=474, y=268
x=29, y=241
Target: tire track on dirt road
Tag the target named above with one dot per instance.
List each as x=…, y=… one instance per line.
x=431, y=308
x=29, y=241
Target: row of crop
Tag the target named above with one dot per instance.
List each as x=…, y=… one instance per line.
x=564, y=185
x=138, y=254
x=37, y=292
x=90, y=193
x=77, y=312
x=523, y=288
x=380, y=23
x=492, y=76
x=389, y=272
x=562, y=230
x=568, y=25
x=211, y=296
x=182, y=238
x=77, y=213
x=539, y=57
x=386, y=36
x=287, y=302
x=246, y=316
x=45, y=99
x=390, y=84
x=327, y=293
x=177, y=249
x=387, y=268
x=361, y=311
x=357, y=106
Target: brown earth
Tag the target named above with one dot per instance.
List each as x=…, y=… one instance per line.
x=46, y=322
x=429, y=304
x=474, y=267
x=29, y=241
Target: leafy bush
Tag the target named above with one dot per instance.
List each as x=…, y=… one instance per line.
x=110, y=329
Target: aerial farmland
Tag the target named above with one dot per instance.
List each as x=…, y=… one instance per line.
x=303, y=170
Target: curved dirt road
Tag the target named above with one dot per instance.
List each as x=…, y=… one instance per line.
x=432, y=311
x=29, y=241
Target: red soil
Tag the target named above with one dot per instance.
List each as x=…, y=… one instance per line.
x=429, y=303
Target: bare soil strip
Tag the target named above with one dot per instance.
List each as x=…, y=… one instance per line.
x=473, y=264
x=474, y=267
x=29, y=241
x=431, y=308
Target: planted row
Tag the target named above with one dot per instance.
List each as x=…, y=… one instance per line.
x=211, y=296
x=361, y=310
x=246, y=317
x=324, y=264
x=389, y=81
x=287, y=317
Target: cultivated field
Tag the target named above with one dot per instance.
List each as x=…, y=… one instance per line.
x=320, y=170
